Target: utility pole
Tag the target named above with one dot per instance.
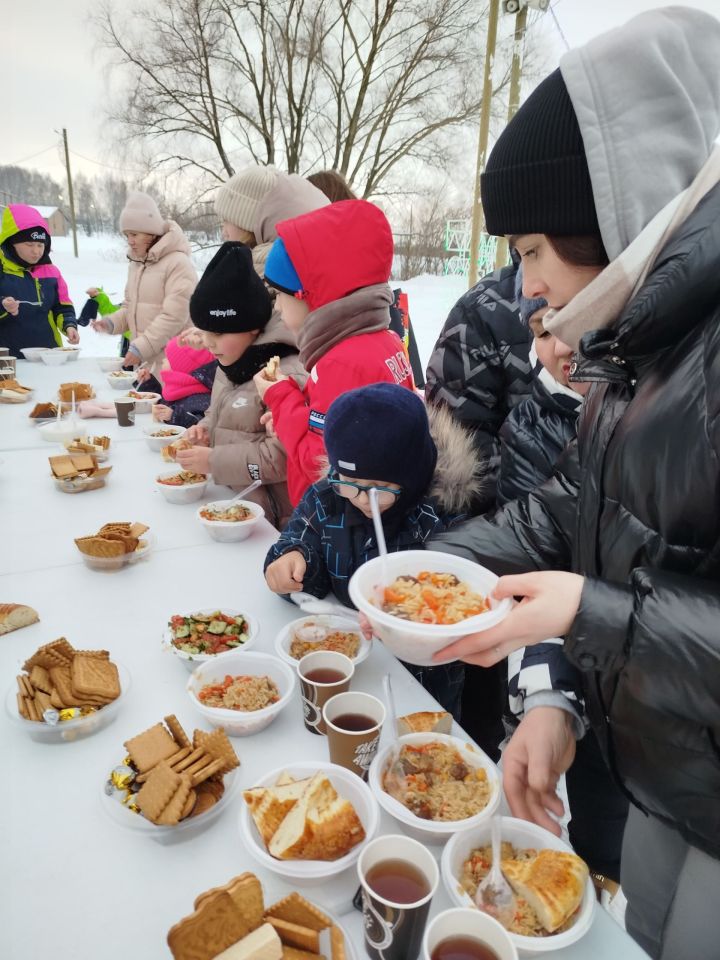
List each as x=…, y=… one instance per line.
x=71, y=196
x=477, y=218
x=501, y=252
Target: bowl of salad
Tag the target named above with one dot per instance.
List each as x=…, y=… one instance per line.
x=230, y=520
x=206, y=634
x=181, y=486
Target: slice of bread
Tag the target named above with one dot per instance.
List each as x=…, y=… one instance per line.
x=426, y=721
x=270, y=805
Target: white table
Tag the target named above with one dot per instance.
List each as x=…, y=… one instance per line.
x=73, y=884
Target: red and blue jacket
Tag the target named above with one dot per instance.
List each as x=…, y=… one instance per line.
x=49, y=312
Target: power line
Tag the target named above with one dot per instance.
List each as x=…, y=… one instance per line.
x=32, y=156
x=559, y=28
x=109, y=166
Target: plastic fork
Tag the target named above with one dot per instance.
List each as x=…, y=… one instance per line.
x=494, y=895
x=310, y=604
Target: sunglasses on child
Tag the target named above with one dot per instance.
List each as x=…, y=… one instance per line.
x=351, y=491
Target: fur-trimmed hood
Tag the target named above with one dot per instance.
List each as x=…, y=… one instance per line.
x=460, y=473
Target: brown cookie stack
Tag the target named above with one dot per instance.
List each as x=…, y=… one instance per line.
x=43, y=411
x=231, y=923
x=58, y=677
x=82, y=391
x=112, y=540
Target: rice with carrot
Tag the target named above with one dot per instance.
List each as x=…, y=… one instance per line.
x=240, y=693
x=432, y=598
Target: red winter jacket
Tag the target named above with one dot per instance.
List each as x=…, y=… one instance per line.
x=343, y=256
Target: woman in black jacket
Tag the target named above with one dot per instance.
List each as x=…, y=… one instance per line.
x=625, y=538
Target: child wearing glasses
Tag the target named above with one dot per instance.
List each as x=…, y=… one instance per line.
x=330, y=269
x=426, y=475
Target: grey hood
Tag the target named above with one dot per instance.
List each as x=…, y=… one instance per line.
x=290, y=196
x=647, y=99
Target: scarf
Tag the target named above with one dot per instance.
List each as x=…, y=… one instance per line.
x=253, y=360
x=366, y=310
x=600, y=303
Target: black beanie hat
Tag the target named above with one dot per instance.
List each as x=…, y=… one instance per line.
x=29, y=235
x=537, y=179
x=381, y=432
x=230, y=297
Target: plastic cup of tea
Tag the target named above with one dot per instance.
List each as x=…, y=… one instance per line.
x=398, y=878
x=469, y=934
x=353, y=722
x=322, y=674
x=125, y=411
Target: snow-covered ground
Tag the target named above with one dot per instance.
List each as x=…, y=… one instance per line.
x=102, y=262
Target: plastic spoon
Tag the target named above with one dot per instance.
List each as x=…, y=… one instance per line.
x=243, y=493
x=382, y=546
x=494, y=895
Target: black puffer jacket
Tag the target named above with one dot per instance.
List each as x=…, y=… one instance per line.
x=480, y=366
x=635, y=507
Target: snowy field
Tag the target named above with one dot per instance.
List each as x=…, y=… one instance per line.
x=102, y=262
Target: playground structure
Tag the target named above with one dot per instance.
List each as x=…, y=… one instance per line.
x=457, y=242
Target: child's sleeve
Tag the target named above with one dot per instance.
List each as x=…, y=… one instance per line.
x=239, y=463
x=64, y=309
x=105, y=304
x=302, y=533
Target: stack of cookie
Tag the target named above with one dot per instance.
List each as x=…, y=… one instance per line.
x=168, y=778
x=112, y=540
x=61, y=682
x=231, y=923
x=43, y=411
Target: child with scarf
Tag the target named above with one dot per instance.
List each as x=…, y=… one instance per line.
x=368, y=433
x=186, y=380
x=234, y=310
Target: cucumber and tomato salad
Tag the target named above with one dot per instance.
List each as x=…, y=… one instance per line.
x=212, y=633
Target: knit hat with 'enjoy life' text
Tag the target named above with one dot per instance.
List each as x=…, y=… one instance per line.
x=230, y=297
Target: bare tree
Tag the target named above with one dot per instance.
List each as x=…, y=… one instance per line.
x=358, y=85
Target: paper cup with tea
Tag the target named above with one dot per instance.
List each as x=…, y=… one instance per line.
x=467, y=934
x=398, y=878
x=125, y=411
x=322, y=674
x=353, y=722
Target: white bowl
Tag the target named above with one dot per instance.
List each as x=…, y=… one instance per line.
x=192, y=660
x=417, y=642
x=146, y=402
x=522, y=834
x=242, y=723
x=69, y=730
x=121, y=382
x=227, y=531
x=331, y=621
x=184, y=830
x=60, y=431
x=33, y=353
x=72, y=353
x=157, y=443
x=53, y=358
x=108, y=364
x=187, y=493
x=434, y=831
x=117, y=563
x=309, y=872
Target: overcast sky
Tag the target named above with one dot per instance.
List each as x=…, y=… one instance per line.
x=57, y=78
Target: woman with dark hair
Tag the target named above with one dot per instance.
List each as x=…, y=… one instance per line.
x=333, y=185
x=624, y=540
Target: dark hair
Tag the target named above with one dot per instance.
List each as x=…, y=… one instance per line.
x=583, y=250
x=333, y=185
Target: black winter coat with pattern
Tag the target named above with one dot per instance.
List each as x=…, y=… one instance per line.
x=634, y=506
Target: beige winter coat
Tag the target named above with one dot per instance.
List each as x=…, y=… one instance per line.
x=242, y=450
x=157, y=295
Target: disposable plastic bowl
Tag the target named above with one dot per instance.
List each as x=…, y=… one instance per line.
x=326, y=621
x=53, y=358
x=227, y=531
x=60, y=431
x=187, y=493
x=157, y=443
x=184, y=830
x=117, y=563
x=241, y=723
x=146, y=401
x=72, y=353
x=33, y=353
x=417, y=642
x=69, y=730
x=521, y=834
x=193, y=660
x=433, y=831
x=309, y=872
x=108, y=364
x=121, y=382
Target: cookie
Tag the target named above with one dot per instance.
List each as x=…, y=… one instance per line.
x=296, y=909
x=217, y=925
x=158, y=790
x=294, y=935
x=147, y=749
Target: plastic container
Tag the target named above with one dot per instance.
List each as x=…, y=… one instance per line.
x=117, y=563
x=187, y=493
x=522, y=834
x=61, y=431
x=80, y=484
x=72, y=353
x=325, y=621
x=312, y=872
x=417, y=642
x=193, y=660
x=241, y=723
x=120, y=380
x=433, y=831
x=69, y=730
x=108, y=364
x=53, y=358
x=145, y=400
x=33, y=353
x=157, y=443
x=184, y=830
x=229, y=531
